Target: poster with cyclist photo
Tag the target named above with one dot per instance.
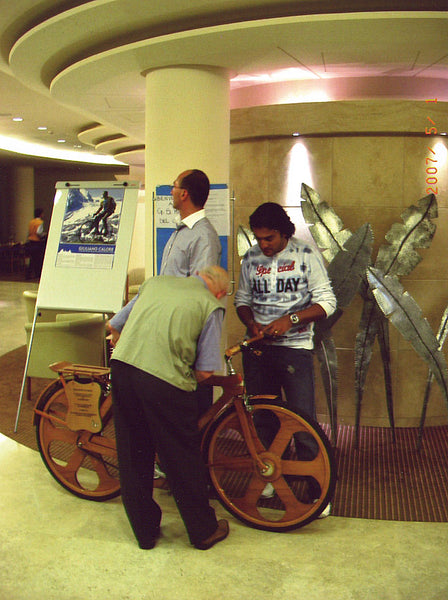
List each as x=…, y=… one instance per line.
x=90, y=228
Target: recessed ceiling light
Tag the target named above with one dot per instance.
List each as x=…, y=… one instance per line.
x=61, y=141
x=42, y=128
x=17, y=119
x=296, y=134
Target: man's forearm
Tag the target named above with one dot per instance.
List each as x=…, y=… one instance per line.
x=245, y=315
x=202, y=376
x=315, y=312
x=118, y=321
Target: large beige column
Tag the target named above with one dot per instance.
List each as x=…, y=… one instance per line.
x=187, y=127
x=22, y=207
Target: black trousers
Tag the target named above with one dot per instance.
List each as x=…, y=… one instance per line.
x=153, y=416
x=36, y=252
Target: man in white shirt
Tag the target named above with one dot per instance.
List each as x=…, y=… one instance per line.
x=283, y=289
x=194, y=245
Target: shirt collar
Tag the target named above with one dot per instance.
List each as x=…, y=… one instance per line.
x=192, y=219
x=197, y=276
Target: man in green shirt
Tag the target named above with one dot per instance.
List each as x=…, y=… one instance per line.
x=169, y=343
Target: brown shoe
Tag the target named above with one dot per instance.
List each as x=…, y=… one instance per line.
x=222, y=531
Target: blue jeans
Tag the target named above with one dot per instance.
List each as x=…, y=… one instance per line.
x=291, y=369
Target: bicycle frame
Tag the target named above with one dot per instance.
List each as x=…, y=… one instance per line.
x=233, y=393
x=74, y=428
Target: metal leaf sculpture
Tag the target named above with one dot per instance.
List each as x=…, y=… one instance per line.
x=346, y=272
x=348, y=267
x=403, y=311
x=417, y=230
x=327, y=357
x=348, y=255
x=244, y=240
x=327, y=230
x=442, y=334
x=396, y=258
x=383, y=340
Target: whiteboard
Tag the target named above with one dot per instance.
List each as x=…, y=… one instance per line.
x=84, y=270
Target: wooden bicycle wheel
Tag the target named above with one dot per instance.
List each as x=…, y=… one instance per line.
x=86, y=474
x=303, y=485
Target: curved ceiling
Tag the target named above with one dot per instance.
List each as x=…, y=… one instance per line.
x=77, y=68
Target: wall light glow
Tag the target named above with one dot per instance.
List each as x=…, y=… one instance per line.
x=30, y=149
x=441, y=152
x=299, y=171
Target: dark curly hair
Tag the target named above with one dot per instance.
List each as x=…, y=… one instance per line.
x=272, y=216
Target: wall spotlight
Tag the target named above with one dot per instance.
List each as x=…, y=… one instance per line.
x=441, y=153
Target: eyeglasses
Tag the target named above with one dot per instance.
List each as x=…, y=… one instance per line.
x=179, y=187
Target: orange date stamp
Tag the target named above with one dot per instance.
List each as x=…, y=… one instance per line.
x=431, y=161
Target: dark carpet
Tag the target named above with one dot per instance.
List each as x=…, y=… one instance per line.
x=383, y=480
x=379, y=480
x=12, y=366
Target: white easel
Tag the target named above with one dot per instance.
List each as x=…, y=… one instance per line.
x=84, y=276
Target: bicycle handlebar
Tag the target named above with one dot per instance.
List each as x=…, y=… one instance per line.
x=238, y=347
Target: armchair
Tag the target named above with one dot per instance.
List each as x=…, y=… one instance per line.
x=73, y=337
x=45, y=314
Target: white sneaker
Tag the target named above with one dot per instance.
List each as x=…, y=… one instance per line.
x=269, y=491
x=158, y=473
x=326, y=512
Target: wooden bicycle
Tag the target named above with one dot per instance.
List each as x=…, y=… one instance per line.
x=76, y=439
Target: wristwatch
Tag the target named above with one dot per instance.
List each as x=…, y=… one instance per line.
x=294, y=319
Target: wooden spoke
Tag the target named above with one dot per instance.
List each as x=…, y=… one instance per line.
x=85, y=468
x=239, y=481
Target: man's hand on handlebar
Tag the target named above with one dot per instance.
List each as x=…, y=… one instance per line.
x=275, y=329
x=278, y=327
x=254, y=329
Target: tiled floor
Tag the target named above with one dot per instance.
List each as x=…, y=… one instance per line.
x=54, y=546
